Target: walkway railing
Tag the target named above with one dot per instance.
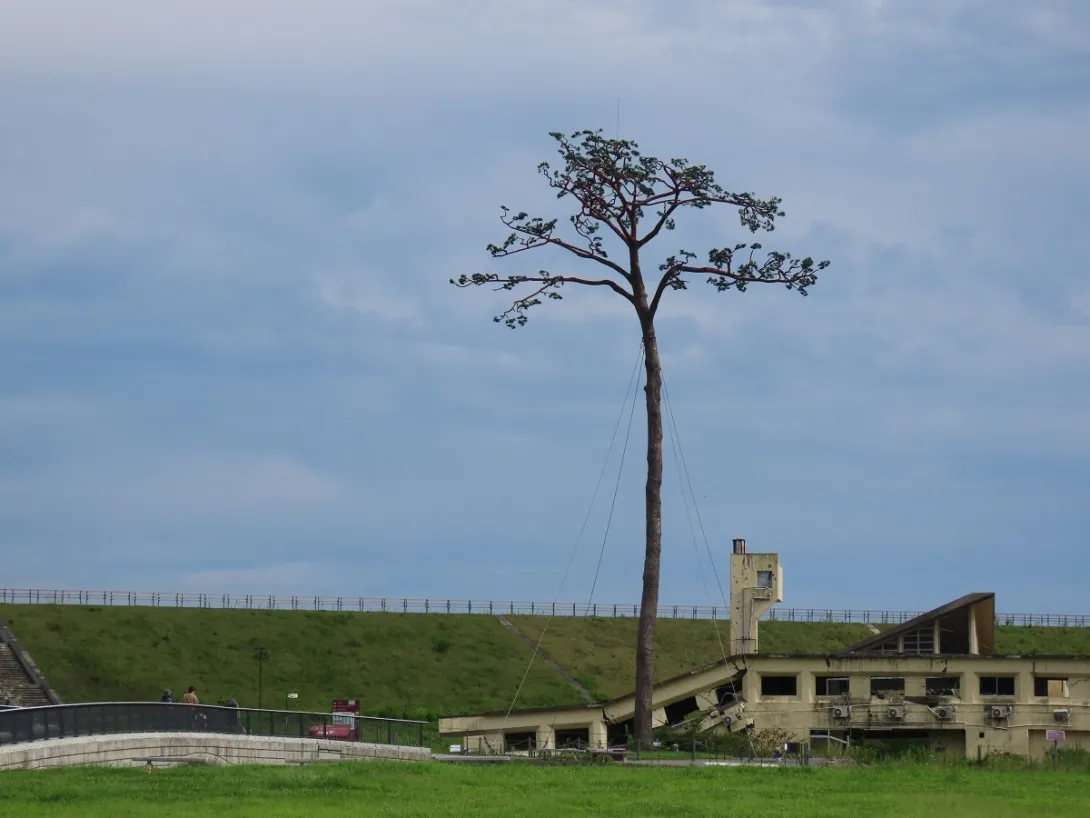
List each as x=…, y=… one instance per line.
x=109, y=718
x=158, y=599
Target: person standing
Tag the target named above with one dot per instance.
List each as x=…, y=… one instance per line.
x=190, y=696
x=168, y=696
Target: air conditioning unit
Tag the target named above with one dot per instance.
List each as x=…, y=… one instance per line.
x=842, y=711
x=944, y=712
x=896, y=712
x=999, y=711
x=1061, y=715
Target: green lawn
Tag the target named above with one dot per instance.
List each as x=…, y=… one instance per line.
x=436, y=790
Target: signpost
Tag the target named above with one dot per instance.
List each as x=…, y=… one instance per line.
x=1055, y=736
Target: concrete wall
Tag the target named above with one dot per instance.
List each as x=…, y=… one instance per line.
x=119, y=750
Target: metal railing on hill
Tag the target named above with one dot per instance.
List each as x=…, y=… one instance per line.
x=110, y=718
x=157, y=599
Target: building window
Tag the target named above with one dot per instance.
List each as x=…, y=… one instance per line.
x=882, y=686
x=996, y=685
x=942, y=686
x=892, y=646
x=1051, y=687
x=764, y=579
x=920, y=640
x=831, y=685
x=779, y=685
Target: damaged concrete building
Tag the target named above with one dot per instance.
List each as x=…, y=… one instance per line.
x=935, y=678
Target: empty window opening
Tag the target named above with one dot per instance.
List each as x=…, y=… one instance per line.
x=920, y=640
x=1051, y=687
x=954, y=632
x=996, y=685
x=831, y=685
x=618, y=735
x=942, y=686
x=676, y=712
x=892, y=646
x=779, y=685
x=514, y=742
x=882, y=686
x=764, y=579
x=577, y=737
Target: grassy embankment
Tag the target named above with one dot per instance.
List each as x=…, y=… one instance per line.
x=403, y=665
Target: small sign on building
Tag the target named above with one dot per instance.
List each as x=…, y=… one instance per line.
x=1054, y=735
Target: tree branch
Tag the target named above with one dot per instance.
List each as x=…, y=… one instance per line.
x=539, y=233
x=515, y=315
x=777, y=268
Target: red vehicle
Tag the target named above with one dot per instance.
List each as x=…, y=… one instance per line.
x=342, y=725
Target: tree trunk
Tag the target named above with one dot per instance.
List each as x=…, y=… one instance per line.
x=649, y=602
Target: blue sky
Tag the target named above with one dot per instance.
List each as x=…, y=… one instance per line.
x=232, y=361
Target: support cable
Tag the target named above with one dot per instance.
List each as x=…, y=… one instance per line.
x=675, y=444
x=617, y=485
x=582, y=530
x=689, y=482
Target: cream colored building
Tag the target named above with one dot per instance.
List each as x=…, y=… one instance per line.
x=935, y=678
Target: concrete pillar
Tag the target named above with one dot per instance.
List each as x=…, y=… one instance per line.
x=546, y=737
x=598, y=736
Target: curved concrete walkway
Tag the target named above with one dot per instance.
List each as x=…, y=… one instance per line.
x=168, y=749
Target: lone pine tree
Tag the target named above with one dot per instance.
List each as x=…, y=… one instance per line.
x=629, y=199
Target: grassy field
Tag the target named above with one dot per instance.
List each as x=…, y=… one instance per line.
x=376, y=788
x=406, y=665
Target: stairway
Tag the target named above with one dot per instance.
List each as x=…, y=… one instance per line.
x=21, y=683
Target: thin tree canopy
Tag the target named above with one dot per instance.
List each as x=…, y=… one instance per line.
x=624, y=195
